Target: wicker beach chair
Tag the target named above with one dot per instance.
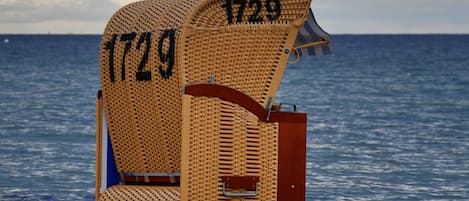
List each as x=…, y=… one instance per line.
x=230, y=147
x=150, y=50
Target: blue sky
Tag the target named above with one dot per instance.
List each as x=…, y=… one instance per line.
x=335, y=16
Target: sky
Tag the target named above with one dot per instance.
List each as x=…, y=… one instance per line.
x=335, y=16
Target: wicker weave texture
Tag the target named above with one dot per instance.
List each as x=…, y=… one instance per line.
x=140, y=193
x=213, y=13
x=244, y=54
x=223, y=139
x=243, y=58
x=144, y=115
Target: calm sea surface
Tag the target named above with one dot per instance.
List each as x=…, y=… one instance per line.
x=388, y=117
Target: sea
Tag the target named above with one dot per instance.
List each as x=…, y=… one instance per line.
x=388, y=117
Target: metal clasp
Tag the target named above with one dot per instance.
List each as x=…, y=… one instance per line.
x=268, y=107
x=241, y=186
x=243, y=194
x=212, y=79
x=293, y=106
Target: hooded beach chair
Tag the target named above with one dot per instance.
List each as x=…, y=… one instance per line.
x=187, y=92
x=232, y=146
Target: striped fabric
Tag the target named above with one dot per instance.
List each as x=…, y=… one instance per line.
x=312, y=40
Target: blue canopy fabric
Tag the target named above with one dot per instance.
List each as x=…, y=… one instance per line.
x=312, y=40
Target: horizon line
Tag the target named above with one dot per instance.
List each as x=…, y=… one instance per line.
x=378, y=33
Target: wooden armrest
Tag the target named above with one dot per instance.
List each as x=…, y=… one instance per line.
x=234, y=96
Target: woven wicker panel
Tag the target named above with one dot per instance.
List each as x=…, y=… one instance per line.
x=143, y=113
x=140, y=193
x=213, y=13
x=223, y=139
x=246, y=58
x=242, y=54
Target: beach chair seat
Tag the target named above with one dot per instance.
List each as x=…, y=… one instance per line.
x=233, y=148
x=224, y=139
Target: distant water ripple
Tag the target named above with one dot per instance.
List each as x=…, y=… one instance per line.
x=388, y=117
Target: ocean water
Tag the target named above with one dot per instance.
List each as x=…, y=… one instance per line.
x=388, y=117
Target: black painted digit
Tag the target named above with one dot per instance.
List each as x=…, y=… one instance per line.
x=255, y=16
x=110, y=46
x=242, y=6
x=141, y=73
x=129, y=38
x=167, y=57
x=273, y=13
x=229, y=11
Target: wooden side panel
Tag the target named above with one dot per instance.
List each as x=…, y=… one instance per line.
x=292, y=158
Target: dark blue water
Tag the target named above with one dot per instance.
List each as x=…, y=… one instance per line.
x=388, y=117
